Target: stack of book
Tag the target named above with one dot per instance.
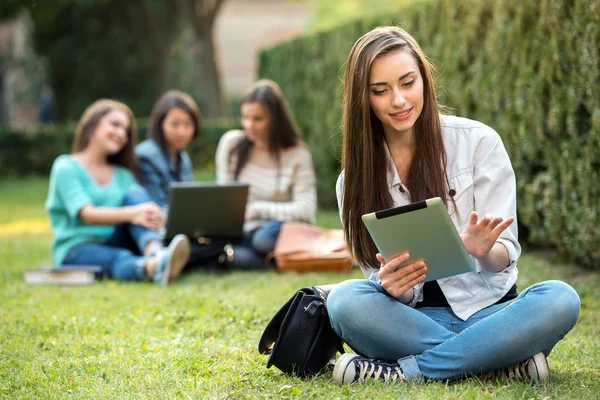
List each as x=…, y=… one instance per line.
x=63, y=275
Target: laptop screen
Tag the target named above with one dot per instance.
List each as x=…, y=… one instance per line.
x=206, y=209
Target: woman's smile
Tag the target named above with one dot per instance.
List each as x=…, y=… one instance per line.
x=402, y=115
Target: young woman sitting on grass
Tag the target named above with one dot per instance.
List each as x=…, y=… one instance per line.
x=99, y=214
x=174, y=123
x=398, y=149
x=271, y=157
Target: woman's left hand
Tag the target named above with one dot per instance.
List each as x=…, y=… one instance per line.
x=480, y=236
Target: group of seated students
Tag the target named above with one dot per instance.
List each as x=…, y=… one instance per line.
x=397, y=148
x=108, y=200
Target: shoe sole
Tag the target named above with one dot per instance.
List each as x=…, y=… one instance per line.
x=538, y=367
x=178, y=257
x=341, y=367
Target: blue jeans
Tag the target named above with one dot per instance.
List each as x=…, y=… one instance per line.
x=120, y=255
x=432, y=342
x=251, y=252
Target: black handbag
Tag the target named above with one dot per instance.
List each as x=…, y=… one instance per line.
x=299, y=338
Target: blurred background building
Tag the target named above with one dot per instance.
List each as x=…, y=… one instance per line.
x=243, y=27
x=22, y=73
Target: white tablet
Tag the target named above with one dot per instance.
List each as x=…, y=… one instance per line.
x=425, y=230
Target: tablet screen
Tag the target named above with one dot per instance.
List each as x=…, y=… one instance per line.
x=426, y=231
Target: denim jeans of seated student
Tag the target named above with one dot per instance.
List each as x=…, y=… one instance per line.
x=251, y=252
x=433, y=343
x=120, y=255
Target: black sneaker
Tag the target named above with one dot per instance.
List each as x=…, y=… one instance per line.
x=534, y=369
x=351, y=368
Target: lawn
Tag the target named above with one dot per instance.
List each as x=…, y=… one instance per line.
x=198, y=337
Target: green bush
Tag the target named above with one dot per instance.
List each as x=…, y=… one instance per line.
x=32, y=151
x=530, y=69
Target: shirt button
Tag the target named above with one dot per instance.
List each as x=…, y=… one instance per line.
x=401, y=188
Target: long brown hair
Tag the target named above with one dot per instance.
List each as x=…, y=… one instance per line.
x=89, y=122
x=283, y=131
x=364, y=158
x=168, y=101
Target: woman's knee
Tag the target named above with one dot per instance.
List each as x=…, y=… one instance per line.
x=346, y=299
x=565, y=303
x=571, y=303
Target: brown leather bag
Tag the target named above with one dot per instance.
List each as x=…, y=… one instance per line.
x=303, y=247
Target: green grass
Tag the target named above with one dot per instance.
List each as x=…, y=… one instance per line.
x=23, y=199
x=198, y=337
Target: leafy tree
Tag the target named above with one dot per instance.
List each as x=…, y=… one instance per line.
x=331, y=13
x=119, y=49
x=156, y=24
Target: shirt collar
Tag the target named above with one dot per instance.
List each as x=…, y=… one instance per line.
x=393, y=178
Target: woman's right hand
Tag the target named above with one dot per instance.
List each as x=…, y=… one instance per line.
x=399, y=280
x=149, y=215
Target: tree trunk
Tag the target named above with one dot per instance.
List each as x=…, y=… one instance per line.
x=157, y=31
x=210, y=95
x=161, y=69
x=208, y=75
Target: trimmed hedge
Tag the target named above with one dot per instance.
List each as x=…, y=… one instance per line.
x=529, y=69
x=32, y=151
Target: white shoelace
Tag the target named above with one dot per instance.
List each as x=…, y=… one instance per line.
x=518, y=372
x=371, y=370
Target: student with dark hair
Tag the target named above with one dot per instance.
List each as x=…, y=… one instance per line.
x=99, y=214
x=175, y=121
x=271, y=157
x=399, y=149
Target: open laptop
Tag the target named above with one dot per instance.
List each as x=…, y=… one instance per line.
x=206, y=209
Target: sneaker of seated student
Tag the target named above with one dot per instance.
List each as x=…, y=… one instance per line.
x=171, y=260
x=351, y=368
x=534, y=369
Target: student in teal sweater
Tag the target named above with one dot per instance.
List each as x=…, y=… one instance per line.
x=99, y=214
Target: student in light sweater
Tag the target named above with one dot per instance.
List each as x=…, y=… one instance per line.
x=271, y=157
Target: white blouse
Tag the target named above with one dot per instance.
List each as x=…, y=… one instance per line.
x=481, y=175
